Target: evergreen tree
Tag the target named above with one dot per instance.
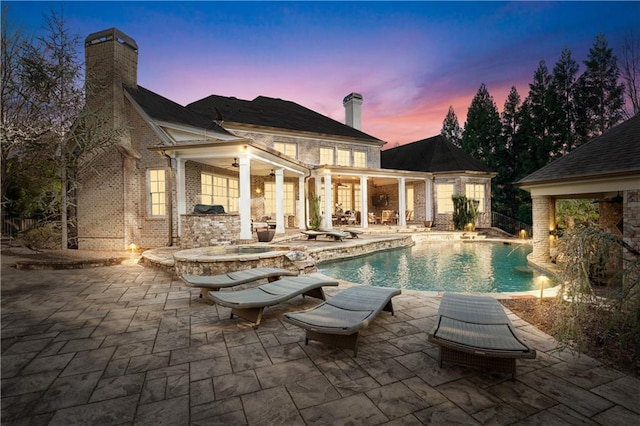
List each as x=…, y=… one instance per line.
x=451, y=128
x=503, y=190
x=481, y=134
x=599, y=97
x=563, y=86
x=536, y=130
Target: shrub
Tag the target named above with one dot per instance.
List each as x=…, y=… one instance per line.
x=45, y=236
x=606, y=306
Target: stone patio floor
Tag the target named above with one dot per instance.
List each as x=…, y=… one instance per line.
x=129, y=344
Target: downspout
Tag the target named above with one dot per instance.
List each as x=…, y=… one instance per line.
x=170, y=198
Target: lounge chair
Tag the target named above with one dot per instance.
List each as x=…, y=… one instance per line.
x=313, y=234
x=475, y=331
x=353, y=232
x=250, y=303
x=338, y=321
x=335, y=234
x=208, y=283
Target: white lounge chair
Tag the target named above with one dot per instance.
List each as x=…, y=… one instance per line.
x=250, y=303
x=338, y=321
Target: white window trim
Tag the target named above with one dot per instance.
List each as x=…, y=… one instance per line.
x=150, y=194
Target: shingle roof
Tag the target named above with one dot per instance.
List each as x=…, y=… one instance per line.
x=161, y=108
x=614, y=152
x=276, y=113
x=435, y=154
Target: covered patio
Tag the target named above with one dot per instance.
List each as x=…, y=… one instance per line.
x=274, y=187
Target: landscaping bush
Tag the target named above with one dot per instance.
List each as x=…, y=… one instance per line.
x=45, y=236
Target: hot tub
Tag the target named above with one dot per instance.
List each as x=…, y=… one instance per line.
x=222, y=259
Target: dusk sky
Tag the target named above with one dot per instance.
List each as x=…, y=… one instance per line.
x=409, y=60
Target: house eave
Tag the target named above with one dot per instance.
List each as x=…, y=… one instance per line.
x=583, y=185
x=234, y=126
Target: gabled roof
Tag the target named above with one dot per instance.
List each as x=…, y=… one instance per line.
x=274, y=113
x=617, y=151
x=163, y=109
x=435, y=154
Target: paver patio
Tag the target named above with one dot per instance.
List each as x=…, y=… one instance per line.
x=129, y=344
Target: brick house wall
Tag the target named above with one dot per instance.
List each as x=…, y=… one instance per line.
x=112, y=200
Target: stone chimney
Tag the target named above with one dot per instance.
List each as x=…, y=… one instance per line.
x=353, y=110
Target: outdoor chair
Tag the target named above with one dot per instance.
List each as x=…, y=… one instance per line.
x=208, y=283
x=475, y=331
x=388, y=216
x=250, y=303
x=372, y=218
x=338, y=321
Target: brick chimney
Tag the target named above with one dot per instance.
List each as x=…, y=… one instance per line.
x=111, y=59
x=353, y=110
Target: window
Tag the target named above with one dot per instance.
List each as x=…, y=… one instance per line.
x=288, y=149
x=289, y=202
x=445, y=192
x=409, y=199
x=326, y=156
x=475, y=191
x=157, y=192
x=343, y=157
x=359, y=159
x=348, y=195
x=221, y=190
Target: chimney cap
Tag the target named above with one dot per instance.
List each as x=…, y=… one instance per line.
x=353, y=96
x=108, y=35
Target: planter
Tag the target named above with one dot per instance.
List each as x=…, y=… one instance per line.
x=265, y=235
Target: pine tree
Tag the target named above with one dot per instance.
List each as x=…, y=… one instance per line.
x=538, y=137
x=599, y=97
x=503, y=190
x=451, y=128
x=563, y=86
x=482, y=130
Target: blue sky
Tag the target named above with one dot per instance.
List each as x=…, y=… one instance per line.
x=410, y=60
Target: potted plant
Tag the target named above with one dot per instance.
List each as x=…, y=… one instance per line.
x=465, y=213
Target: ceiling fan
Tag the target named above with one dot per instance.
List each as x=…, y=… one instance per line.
x=235, y=163
x=272, y=174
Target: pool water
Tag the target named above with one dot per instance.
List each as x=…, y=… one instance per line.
x=433, y=266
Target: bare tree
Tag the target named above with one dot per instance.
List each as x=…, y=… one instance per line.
x=21, y=125
x=68, y=134
x=630, y=70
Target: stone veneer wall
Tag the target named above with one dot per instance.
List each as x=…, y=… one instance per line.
x=543, y=221
x=204, y=230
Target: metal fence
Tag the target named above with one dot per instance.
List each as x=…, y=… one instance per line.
x=510, y=225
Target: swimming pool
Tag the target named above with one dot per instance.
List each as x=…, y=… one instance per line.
x=442, y=266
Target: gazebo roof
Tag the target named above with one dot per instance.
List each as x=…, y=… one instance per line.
x=616, y=152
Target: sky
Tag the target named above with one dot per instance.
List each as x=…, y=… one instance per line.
x=409, y=60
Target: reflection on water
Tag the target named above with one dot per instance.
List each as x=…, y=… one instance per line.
x=472, y=267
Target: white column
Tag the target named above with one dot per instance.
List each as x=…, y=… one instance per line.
x=302, y=204
x=428, y=198
x=279, y=201
x=402, y=202
x=180, y=191
x=328, y=203
x=245, y=198
x=364, y=214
